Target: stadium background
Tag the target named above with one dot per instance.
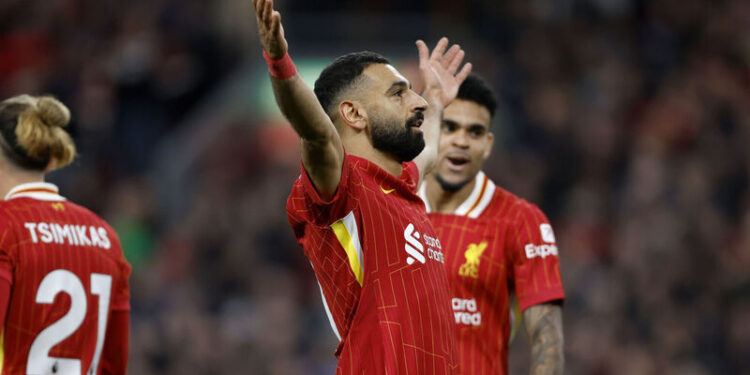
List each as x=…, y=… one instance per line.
x=627, y=121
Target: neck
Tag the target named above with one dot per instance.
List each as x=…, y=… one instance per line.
x=11, y=179
x=361, y=147
x=443, y=201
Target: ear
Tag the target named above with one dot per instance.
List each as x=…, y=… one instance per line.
x=353, y=114
x=490, y=143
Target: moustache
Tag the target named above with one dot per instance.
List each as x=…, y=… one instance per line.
x=414, y=120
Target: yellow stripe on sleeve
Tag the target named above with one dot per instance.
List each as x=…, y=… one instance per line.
x=346, y=232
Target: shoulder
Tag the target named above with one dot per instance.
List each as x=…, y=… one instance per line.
x=87, y=213
x=514, y=209
x=305, y=205
x=509, y=205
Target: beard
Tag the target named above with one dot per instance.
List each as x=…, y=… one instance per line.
x=399, y=140
x=451, y=187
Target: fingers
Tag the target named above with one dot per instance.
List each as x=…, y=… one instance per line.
x=456, y=62
x=264, y=11
x=259, y=9
x=275, y=22
x=448, y=57
x=267, y=12
x=461, y=76
x=439, y=48
x=423, y=52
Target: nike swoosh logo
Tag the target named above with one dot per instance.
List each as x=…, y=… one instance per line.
x=386, y=191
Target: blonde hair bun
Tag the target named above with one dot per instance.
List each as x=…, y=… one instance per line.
x=53, y=112
x=40, y=131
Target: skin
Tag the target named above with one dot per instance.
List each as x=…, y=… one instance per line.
x=323, y=142
x=465, y=135
x=543, y=324
x=11, y=176
x=466, y=138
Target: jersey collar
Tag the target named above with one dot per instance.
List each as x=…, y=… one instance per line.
x=476, y=203
x=36, y=190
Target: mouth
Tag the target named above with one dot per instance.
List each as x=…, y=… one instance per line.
x=415, y=121
x=457, y=162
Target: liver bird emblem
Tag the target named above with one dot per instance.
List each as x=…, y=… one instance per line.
x=472, y=255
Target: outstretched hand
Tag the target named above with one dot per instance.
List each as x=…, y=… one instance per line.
x=270, y=30
x=438, y=70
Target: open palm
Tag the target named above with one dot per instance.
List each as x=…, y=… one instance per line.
x=438, y=70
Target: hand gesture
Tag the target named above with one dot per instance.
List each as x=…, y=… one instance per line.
x=270, y=30
x=438, y=70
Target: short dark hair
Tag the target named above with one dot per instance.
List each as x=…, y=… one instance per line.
x=341, y=73
x=477, y=90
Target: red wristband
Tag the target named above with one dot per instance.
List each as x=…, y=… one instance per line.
x=281, y=68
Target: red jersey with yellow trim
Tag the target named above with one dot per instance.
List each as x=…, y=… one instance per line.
x=495, y=244
x=67, y=273
x=381, y=271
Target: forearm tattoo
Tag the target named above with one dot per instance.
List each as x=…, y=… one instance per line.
x=544, y=326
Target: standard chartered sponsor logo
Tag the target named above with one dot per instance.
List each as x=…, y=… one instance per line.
x=465, y=312
x=413, y=247
x=416, y=249
x=542, y=251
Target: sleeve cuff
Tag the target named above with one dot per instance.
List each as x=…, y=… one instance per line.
x=542, y=297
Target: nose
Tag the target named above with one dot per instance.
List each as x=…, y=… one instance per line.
x=460, y=139
x=419, y=104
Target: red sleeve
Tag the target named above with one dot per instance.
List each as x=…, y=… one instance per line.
x=6, y=283
x=324, y=212
x=534, y=257
x=7, y=262
x=114, y=360
x=5, y=288
x=121, y=288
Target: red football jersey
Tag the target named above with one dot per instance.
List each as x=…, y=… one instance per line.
x=381, y=271
x=67, y=274
x=495, y=243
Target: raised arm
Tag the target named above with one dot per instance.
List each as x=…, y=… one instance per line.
x=441, y=82
x=544, y=325
x=322, y=150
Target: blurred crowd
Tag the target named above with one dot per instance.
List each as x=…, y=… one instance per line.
x=626, y=121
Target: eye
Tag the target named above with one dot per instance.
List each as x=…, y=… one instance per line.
x=399, y=93
x=477, y=131
x=449, y=127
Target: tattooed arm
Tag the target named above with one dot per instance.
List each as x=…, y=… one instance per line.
x=544, y=325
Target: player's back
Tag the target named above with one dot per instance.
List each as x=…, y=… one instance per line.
x=67, y=274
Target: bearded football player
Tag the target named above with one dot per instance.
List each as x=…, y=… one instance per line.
x=367, y=140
